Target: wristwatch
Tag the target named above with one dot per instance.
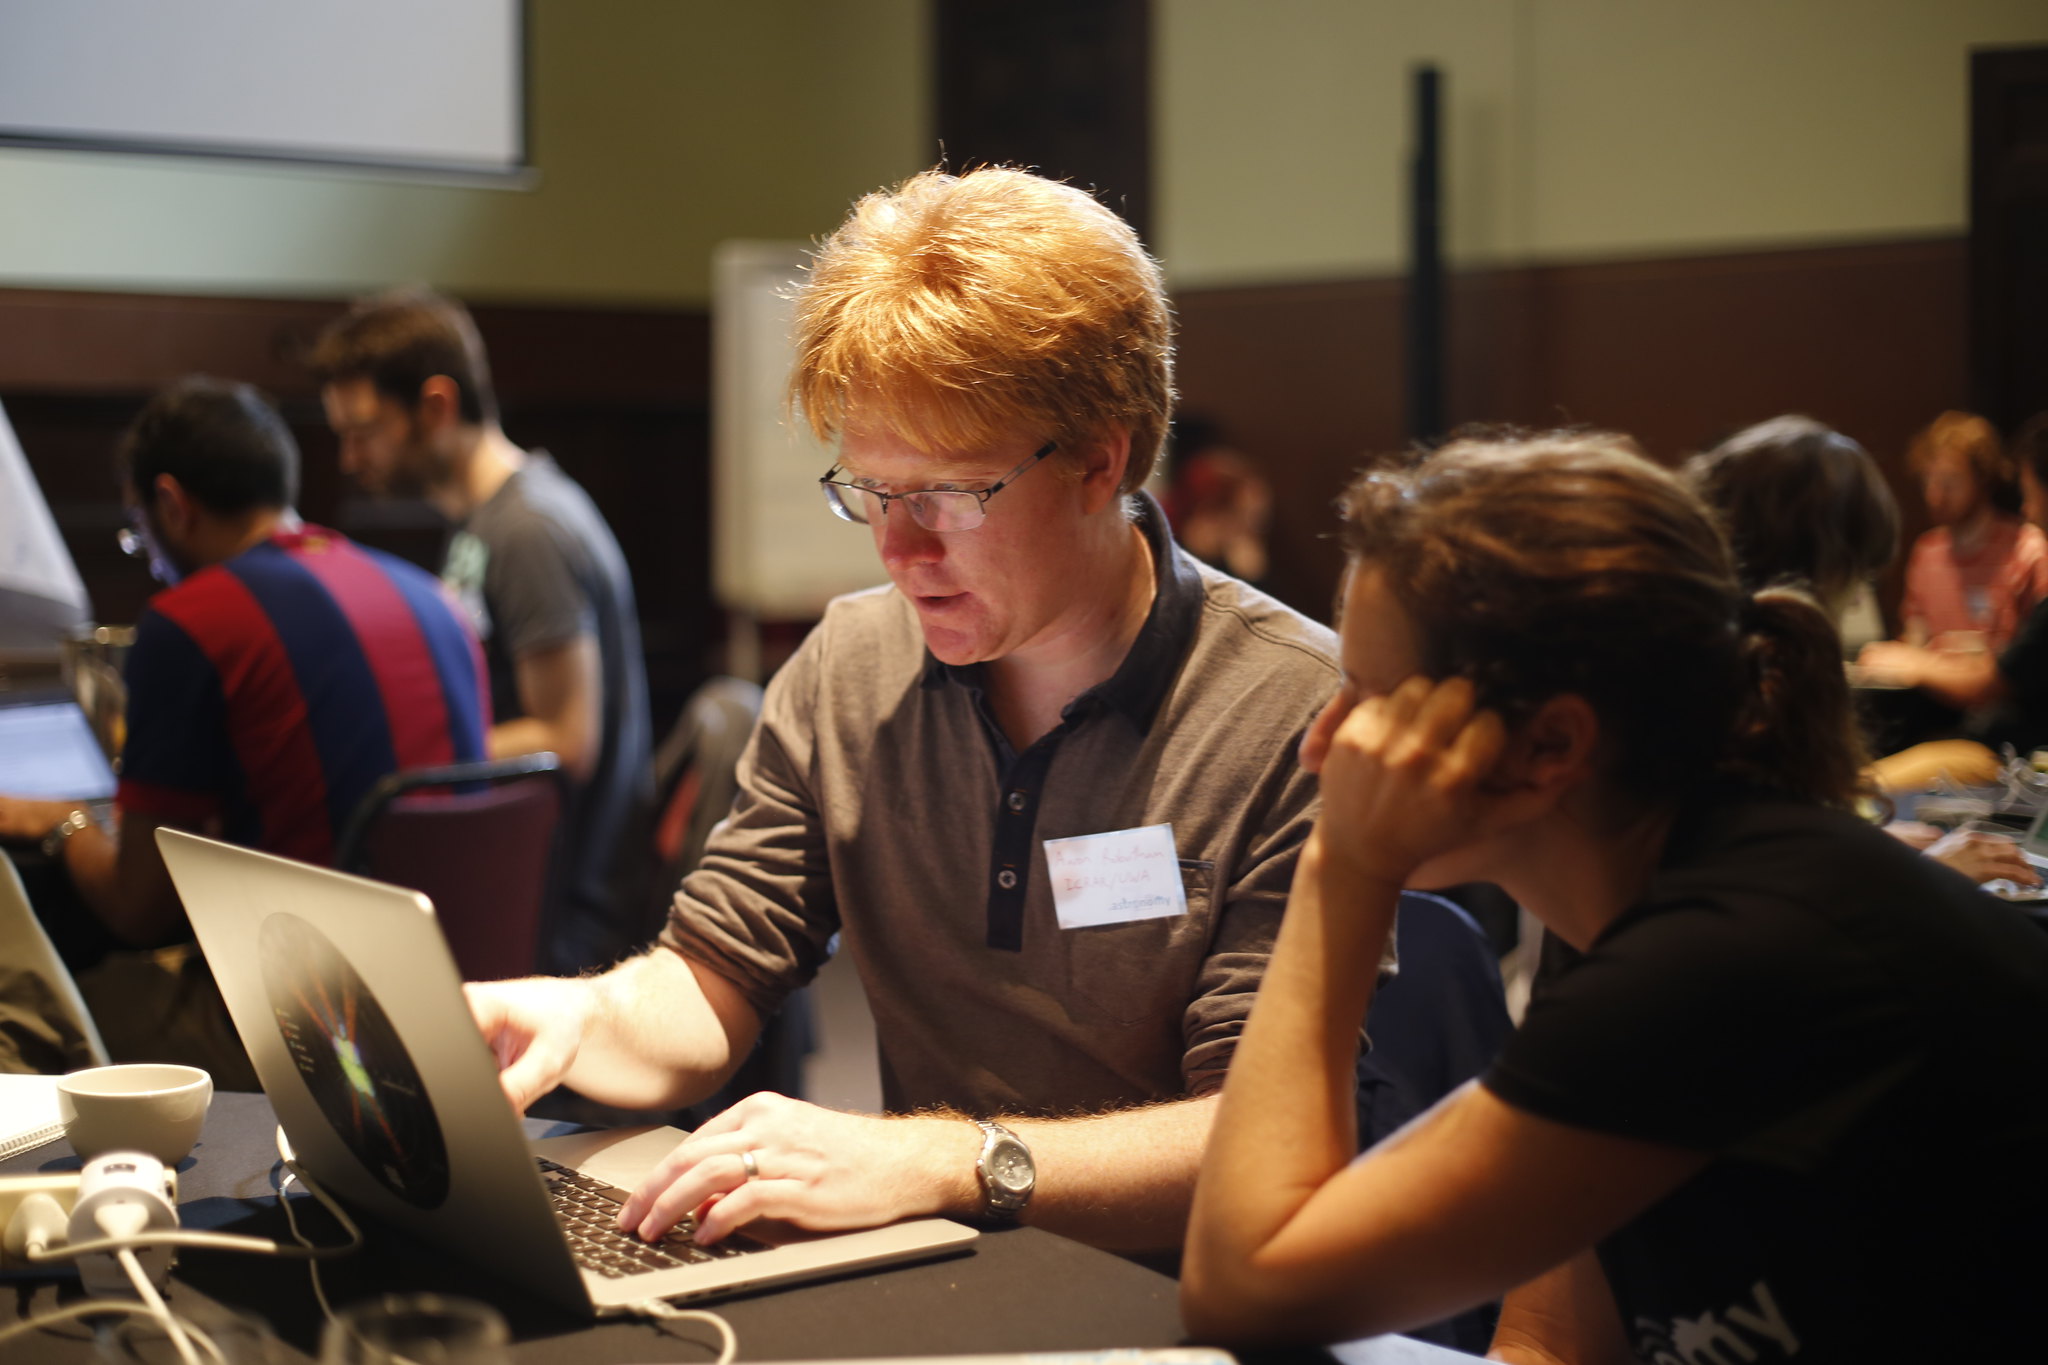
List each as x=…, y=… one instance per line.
x=61, y=832
x=1005, y=1170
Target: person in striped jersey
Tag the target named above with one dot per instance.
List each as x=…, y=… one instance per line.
x=278, y=675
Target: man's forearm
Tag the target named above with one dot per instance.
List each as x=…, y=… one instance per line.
x=1964, y=680
x=91, y=858
x=532, y=735
x=123, y=882
x=1122, y=1181
x=656, y=1039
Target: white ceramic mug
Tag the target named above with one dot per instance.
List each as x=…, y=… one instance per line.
x=152, y=1107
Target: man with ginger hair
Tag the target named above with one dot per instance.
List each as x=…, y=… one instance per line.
x=993, y=354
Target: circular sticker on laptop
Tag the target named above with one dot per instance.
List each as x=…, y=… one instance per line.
x=352, y=1061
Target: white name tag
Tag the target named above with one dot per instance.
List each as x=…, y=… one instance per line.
x=1114, y=878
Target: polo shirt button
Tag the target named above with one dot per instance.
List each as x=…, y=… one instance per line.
x=1018, y=800
x=1006, y=879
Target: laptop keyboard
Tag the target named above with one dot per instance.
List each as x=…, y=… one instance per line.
x=588, y=1210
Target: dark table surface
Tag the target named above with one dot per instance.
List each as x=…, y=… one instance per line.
x=1017, y=1290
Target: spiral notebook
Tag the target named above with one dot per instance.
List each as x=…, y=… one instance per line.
x=28, y=1113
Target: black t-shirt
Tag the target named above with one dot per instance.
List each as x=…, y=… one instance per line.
x=1860, y=1036
x=2021, y=720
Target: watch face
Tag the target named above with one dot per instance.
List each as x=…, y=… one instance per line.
x=1010, y=1165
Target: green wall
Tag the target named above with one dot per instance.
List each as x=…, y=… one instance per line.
x=1577, y=129
x=660, y=127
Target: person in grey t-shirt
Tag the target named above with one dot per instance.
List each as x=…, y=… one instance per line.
x=408, y=390
x=1042, y=786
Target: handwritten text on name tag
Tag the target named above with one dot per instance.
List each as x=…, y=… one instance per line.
x=1113, y=878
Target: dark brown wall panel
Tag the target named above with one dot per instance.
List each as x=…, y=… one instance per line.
x=1060, y=85
x=618, y=395
x=1676, y=352
x=1306, y=377
x=2009, y=231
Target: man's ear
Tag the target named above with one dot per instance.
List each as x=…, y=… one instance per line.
x=440, y=404
x=170, y=505
x=1104, y=459
x=1551, y=752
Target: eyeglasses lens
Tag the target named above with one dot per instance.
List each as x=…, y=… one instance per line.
x=935, y=510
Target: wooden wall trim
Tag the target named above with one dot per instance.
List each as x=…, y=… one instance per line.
x=1676, y=351
x=1306, y=377
x=77, y=341
x=620, y=396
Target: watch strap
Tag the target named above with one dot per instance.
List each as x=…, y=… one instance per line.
x=60, y=833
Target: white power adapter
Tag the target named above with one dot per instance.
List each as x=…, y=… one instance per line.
x=121, y=1195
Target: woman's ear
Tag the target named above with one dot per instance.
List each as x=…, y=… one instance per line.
x=1550, y=753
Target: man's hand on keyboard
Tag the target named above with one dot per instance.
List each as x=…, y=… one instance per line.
x=535, y=1027
x=816, y=1168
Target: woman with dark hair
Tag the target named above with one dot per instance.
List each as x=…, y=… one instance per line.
x=1805, y=506
x=1801, y=504
x=1781, y=1102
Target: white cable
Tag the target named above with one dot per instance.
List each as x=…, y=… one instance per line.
x=174, y=1326
x=291, y=1173
x=216, y=1241
x=223, y=1241
x=90, y=1308
x=728, y=1343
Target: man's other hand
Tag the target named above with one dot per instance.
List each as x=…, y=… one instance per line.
x=535, y=1026
x=817, y=1168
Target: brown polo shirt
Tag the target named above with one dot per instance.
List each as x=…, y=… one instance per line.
x=879, y=800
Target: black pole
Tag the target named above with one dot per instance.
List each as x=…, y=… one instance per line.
x=1426, y=262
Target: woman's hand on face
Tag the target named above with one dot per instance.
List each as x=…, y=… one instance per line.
x=1403, y=775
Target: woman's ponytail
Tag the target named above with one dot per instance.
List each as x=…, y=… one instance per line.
x=1796, y=727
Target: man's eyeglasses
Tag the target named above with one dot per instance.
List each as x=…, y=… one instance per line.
x=134, y=537
x=935, y=509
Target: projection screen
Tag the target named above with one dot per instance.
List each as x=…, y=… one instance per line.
x=434, y=87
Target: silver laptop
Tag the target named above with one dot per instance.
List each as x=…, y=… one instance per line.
x=345, y=995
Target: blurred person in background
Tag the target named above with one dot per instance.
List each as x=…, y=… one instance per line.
x=2003, y=692
x=408, y=391
x=1973, y=578
x=1804, y=505
x=1218, y=503
x=281, y=672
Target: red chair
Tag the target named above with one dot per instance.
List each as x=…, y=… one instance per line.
x=476, y=839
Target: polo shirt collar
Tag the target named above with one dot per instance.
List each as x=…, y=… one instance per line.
x=1141, y=681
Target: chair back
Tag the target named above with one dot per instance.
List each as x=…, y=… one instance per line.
x=696, y=774
x=44, y=1024
x=475, y=838
x=1438, y=1023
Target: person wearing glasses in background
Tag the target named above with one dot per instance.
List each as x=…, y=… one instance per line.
x=993, y=354
x=281, y=672
x=407, y=388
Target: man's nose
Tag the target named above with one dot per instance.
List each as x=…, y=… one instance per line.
x=902, y=542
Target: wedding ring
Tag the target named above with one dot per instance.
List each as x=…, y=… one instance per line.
x=753, y=1169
